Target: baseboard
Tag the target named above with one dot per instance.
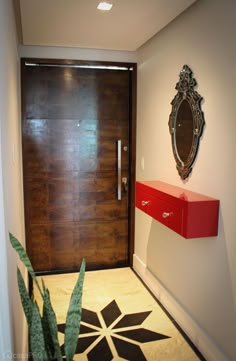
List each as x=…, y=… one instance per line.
x=199, y=338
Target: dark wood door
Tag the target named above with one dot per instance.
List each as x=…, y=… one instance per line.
x=72, y=119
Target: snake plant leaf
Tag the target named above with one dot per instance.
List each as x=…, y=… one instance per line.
x=37, y=343
x=46, y=328
x=25, y=299
x=50, y=327
x=43, y=285
x=47, y=334
x=24, y=258
x=73, y=317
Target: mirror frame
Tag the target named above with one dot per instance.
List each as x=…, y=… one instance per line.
x=185, y=88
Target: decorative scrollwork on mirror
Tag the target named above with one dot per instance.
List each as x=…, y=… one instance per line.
x=186, y=122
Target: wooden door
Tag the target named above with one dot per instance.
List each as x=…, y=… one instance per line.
x=72, y=120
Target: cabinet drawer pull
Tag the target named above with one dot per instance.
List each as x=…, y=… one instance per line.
x=166, y=214
x=144, y=203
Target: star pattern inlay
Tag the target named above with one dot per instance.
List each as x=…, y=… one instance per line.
x=109, y=331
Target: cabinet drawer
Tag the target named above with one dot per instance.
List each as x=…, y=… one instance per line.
x=190, y=214
x=162, y=211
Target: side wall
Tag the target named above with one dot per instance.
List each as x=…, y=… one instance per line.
x=196, y=278
x=13, y=329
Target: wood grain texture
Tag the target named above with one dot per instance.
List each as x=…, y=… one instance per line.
x=71, y=121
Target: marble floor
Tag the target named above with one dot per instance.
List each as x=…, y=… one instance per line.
x=120, y=319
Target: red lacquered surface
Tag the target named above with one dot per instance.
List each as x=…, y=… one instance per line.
x=190, y=214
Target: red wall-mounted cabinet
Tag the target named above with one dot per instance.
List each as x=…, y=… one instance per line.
x=190, y=214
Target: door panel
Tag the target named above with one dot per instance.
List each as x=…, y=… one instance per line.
x=72, y=120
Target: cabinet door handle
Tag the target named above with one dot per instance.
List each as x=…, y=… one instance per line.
x=144, y=203
x=166, y=214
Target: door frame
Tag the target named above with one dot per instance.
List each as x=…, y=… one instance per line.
x=132, y=128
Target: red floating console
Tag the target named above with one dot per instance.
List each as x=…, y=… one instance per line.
x=190, y=214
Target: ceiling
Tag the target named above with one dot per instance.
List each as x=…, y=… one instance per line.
x=78, y=23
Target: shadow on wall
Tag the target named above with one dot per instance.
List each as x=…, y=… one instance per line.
x=195, y=272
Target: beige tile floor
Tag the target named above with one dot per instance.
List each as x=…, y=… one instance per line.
x=123, y=286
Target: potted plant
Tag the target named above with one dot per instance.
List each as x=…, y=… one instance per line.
x=43, y=332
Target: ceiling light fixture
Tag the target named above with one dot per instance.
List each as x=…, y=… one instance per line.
x=104, y=6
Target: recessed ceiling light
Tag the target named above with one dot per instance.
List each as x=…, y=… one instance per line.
x=104, y=6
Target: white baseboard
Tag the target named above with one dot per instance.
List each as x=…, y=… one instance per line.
x=199, y=338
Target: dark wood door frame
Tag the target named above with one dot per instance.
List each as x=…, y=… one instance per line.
x=132, y=126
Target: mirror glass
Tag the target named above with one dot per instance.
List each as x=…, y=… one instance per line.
x=184, y=130
x=186, y=122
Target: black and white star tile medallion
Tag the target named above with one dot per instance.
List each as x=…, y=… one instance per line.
x=109, y=334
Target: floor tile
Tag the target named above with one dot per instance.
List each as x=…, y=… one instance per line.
x=120, y=319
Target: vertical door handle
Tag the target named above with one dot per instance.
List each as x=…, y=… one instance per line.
x=119, y=170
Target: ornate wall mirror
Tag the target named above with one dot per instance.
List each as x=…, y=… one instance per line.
x=186, y=122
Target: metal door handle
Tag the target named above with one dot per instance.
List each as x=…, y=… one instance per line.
x=119, y=170
x=166, y=214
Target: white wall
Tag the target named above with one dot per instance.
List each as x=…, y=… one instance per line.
x=77, y=53
x=12, y=322
x=195, y=278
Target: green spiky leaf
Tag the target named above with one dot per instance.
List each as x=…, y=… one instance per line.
x=46, y=329
x=73, y=317
x=50, y=327
x=47, y=336
x=24, y=258
x=25, y=299
x=37, y=343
